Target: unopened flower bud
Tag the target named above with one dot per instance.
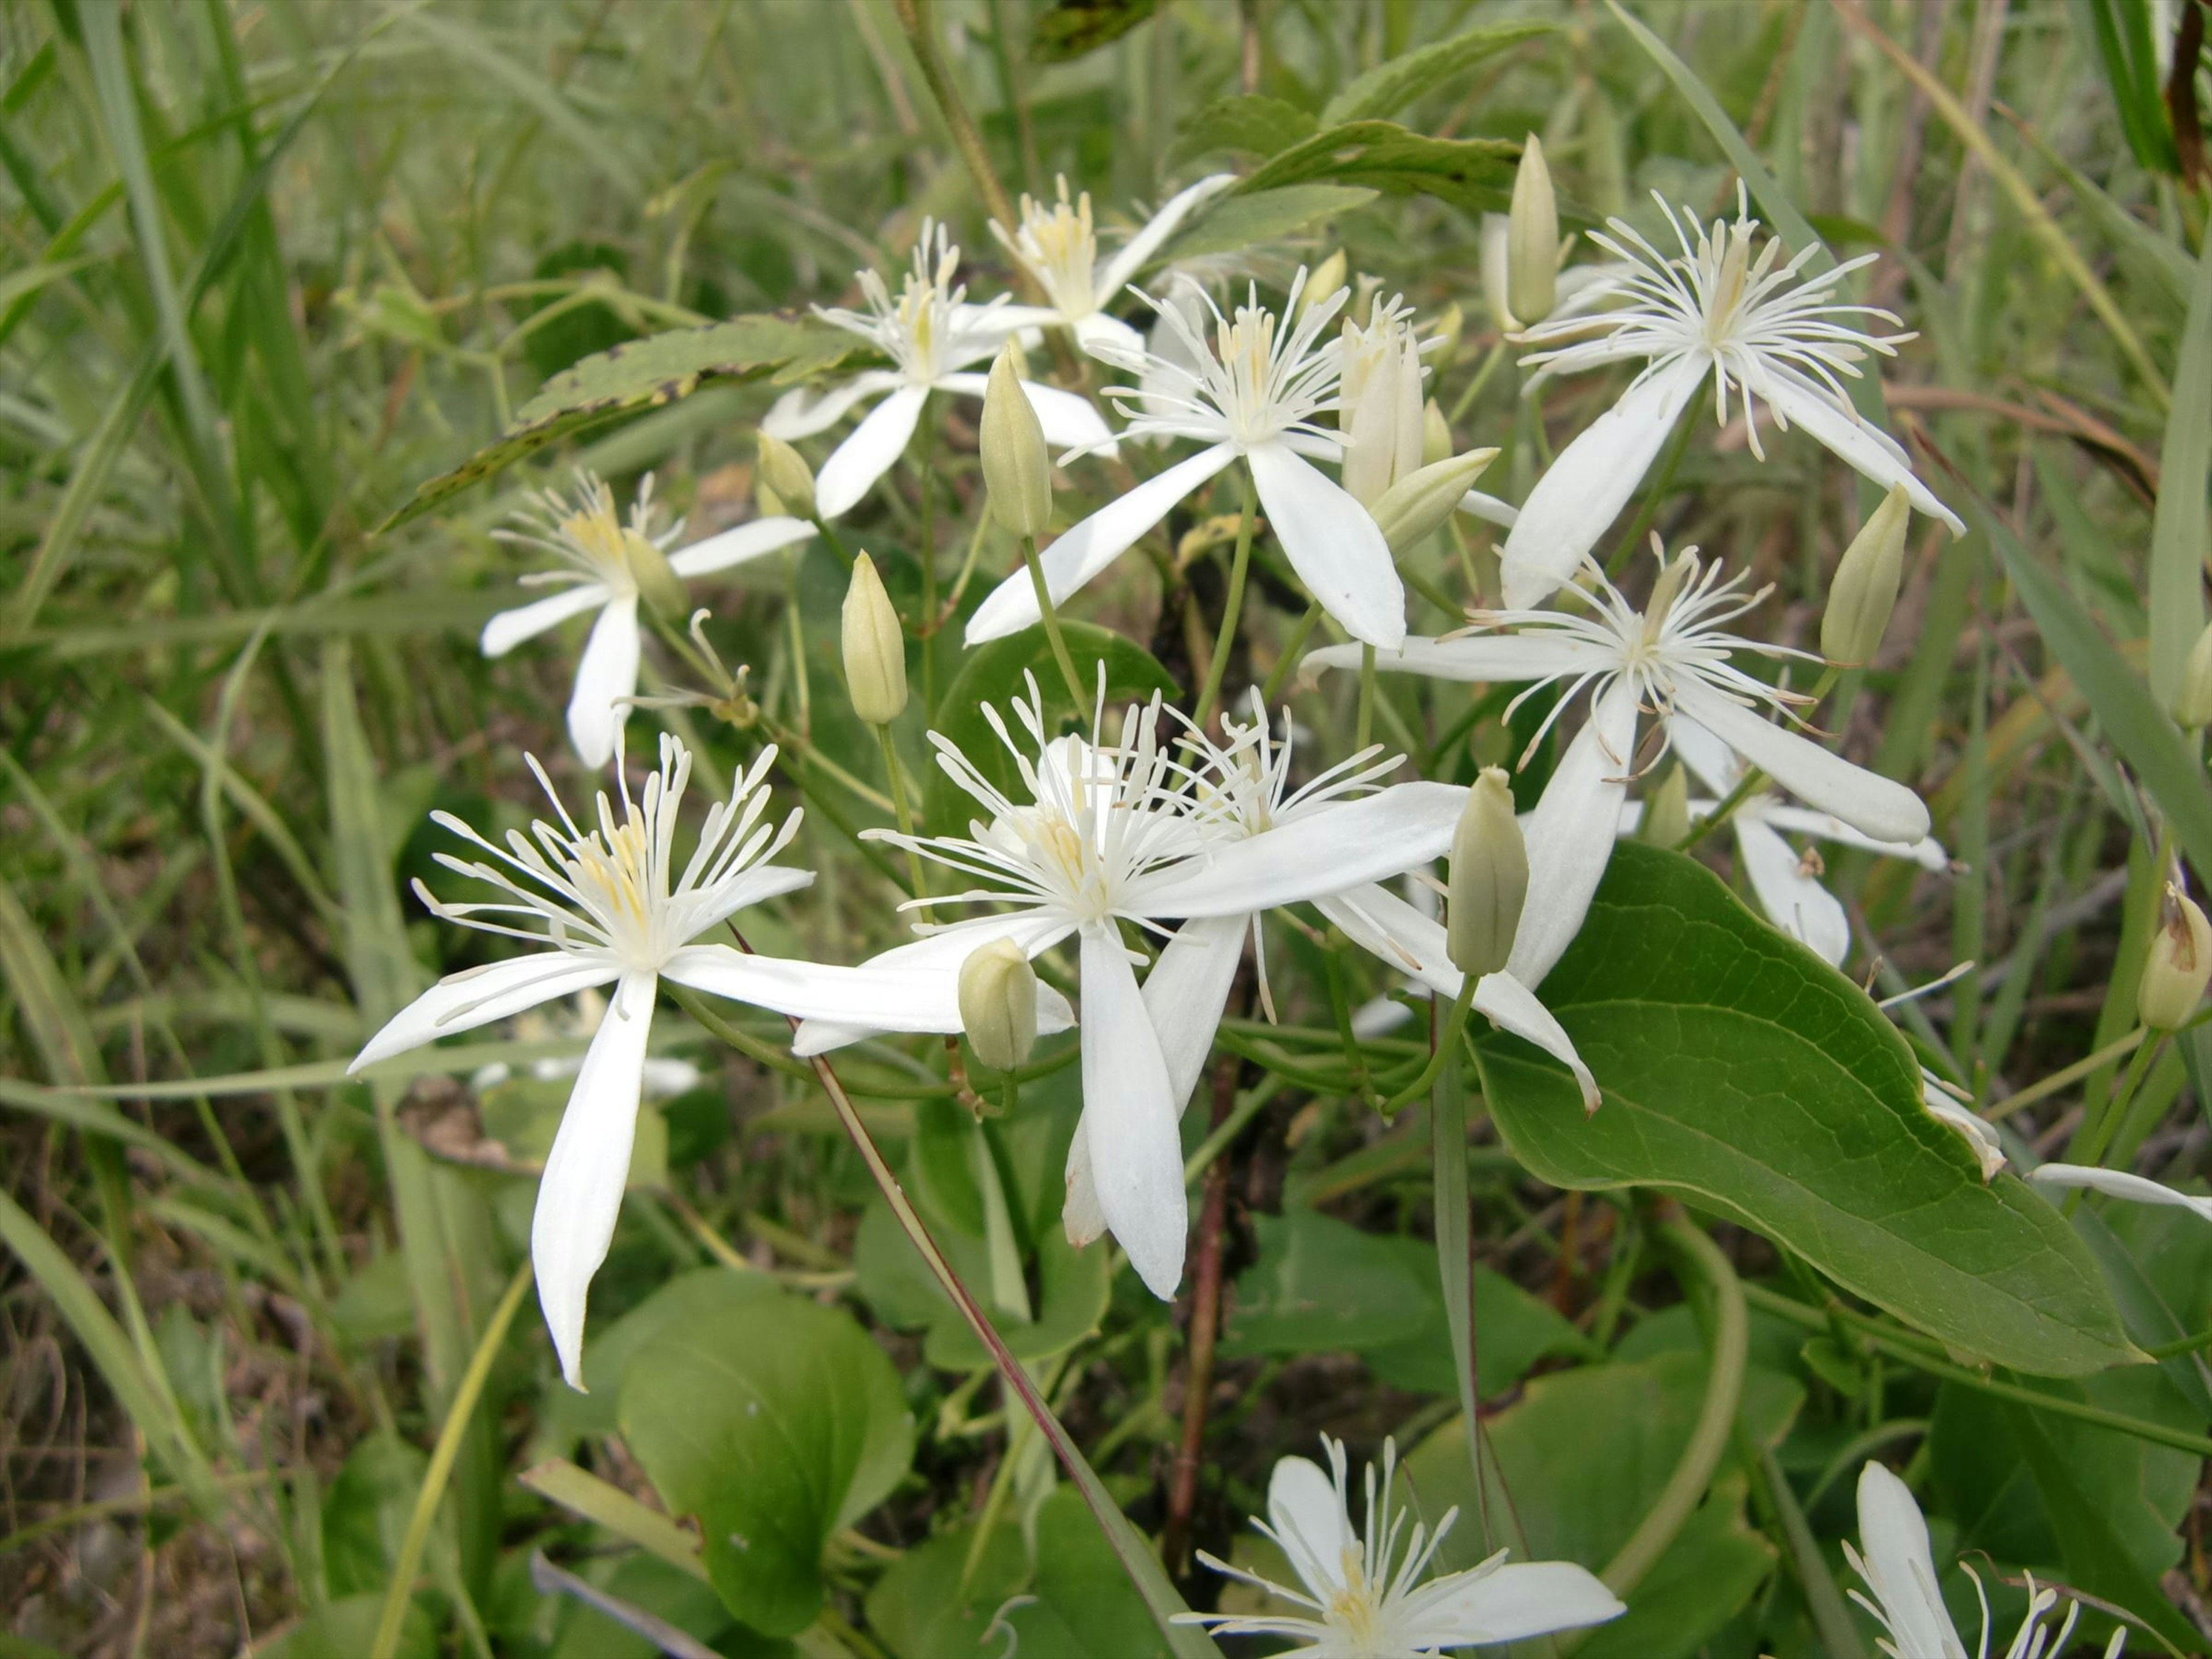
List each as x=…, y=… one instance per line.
x=1417, y=506
x=2180, y=964
x=1489, y=878
x=1328, y=277
x=2192, y=704
x=1666, y=821
x=657, y=585
x=1435, y=435
x=766, y=502
x=1494, y=244
x=1451, y=323
x=875, y=648
x=1532, y=239
x=785, y=474
x=998, y=1004
x=1867, y=578
x=1017, y=470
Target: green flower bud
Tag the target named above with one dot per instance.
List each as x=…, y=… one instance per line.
x=1017, y=470
x=1867, y=578
x=875, y=648
x=2180, y=964
x=657, y=585
x=998, y=1004
x=1495, y=242
x=1666, y=820
x=1418, y=505
x=1326, y=277
x=1489, y=878
x=1451, y=323
x=1435, y=435
x=1532, y=239
x=2192, y=704
x=784, y=471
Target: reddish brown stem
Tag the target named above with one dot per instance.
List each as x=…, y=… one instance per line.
x=1205, y=1327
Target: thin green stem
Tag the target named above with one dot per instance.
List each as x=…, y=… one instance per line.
x=1288, y=660
x=1232, y=604
x=2095, y=1138
x=834, y=542
x=1474, y=390
x=1746, y=785
x=1440, y=1051
x=2046, y=1087
x=1051, y=620
x=896, y=778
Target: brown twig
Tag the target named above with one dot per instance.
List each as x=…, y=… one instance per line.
x=1205, y=1327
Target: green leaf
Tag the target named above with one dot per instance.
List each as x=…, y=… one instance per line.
x=1242, y=222
x=1743, y=1072
x=1388, y=87
x=775, y=1422
x=1473, y=174
x=1253, y=124
x=639, y=374
x=2180, y=529
x=365, y=1513
x=346, y=1629
x=1073, y=28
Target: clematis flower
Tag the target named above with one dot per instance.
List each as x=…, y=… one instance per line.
x=1252, y=391
x=1788, y=884
x=933, y=334
x=1671, y=658
x=1899, y=1569
x=1058, y=245
x=1363, y=1594
x=1379, y=400
x=614, y=911
x=2118, y=1183
x=1109, y=829
x=1714, y=313
x=604, y=559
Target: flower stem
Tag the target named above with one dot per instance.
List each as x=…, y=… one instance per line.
x=1051, y=621
x=1232, y=604
x=965, y=137
x=834, y=542
x=1446, y=1045
x=903, y=813
x=2095, y=1138
x=1288, y=661
x=1745, y=787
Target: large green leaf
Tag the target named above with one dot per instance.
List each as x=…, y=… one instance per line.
x=1473, y=175
x=775, y=1422
x=1253, y=122
x=1388, y=87
x=1235, y=222
x=1743, y=1072
x=1074, y=29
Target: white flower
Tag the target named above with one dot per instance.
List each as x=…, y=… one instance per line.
x=1057, y=244
x=1671, y=658
x=1900, y=1568
x=662, y=1080
x=1113, y=829
x=1365, y=1598
x=1788, y=884
x=933, y=334
x=1379, y=400
x=609, y=904
x=600, y=553
x=1712, y=313
x=2118, y=1183
x=1251, y=391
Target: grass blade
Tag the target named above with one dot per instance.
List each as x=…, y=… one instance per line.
x=2180, y=533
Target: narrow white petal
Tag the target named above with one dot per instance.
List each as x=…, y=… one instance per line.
x=871, y=450
x=1333, y=543
x=1490, y=509
x=799, y=414
x=1512, y=1006
x=1478, y=659
x=510, y=628
x=1711, y=761
x=1080, y=1217
x=1928, y=853
x=1509, y=1602
x=581, y=1192
x=1099, y=330
x=2117, y=1184
x=1899, y=1567
x=1091, y=546
x=1584, y=491
x=1070, y=421
x=1130, y=258
x=1865, y=448
x=606, y=672
x=477, y=996
x=1571, y=834
x=1326, y=851
x=1186, y=993
x=738, y=545
x=756, y=886
x=1378, y=921
x=1794, y=901
x=1870, y=804
x=1307, y=1513
x=942, y=953
x=892, y=998
x=1129, y=1117
x=999, y=321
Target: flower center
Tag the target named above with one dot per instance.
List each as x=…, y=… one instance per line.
x=1247, y=347
x=1356, y=1610
x=1061, y=244
x=1727, y=286
x=595, y=532
x=613, y=875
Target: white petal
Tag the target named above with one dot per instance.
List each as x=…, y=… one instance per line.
x=1099, y=329
x=1512, y=1006
x=892, y=998
x=1584, y=491
x=2117, y=1184
x=1899, y=1567
x=799, y=414
x=1478, y=659
x=1875, y=805
x=1080, y=1217
x=1509, y=1602
x=871, y=450
x=510, y=628
x=1571, y=834
x=1711, y=761
x=943, y=952
x=1864, y=447
x=738, y=545
x=756, y=886
x=1928, y=853
x=1490, y=509
x=1129, y=258
x=1091, y=546
x=1186, y=993
x=1377, y=919
x=1792, y=899
x=1129, y=1117
x=581, y=1192
x=1333, y=543
x=1326, y=851
x=606, y=672
x=1069, y=421
x=477, y=996
x=1000, y=320
x=1307, y=1513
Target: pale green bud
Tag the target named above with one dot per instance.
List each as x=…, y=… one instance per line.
x=2181, y=962
x=1327, y=277
x=1418, y=505
x=1451, y=323
x=1495, y=242
x=767, y=503
x=1489, y=878
x=998, y=1004
x=786, y=476
x=1435, y=435
x=657, y=585
x=1666, y=820
x=1532, y=239
x=1017, y=470
x=1867, y=578
x=875, y=648
x=2192, y=704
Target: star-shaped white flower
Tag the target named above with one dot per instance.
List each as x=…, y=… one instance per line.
x=599, y=554
x=1715, y=313
x=613, y=910
x=1363, y=1594
x=1671, y=657
x=1899, y=1569
x=933, y=334
x=1058, y=245
x=1253, y=391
